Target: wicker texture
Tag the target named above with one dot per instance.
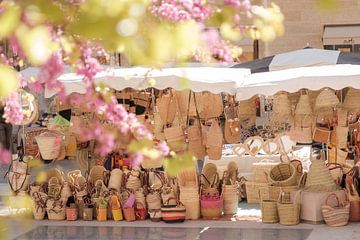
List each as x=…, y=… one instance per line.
x=253, y=191
x=262, y=170
x=326, y=100
x=352, y=100
x=231, y=198
x=338, y=215
x=283, y=174
x=319, y=178
x=289, y=212
x=269, y=212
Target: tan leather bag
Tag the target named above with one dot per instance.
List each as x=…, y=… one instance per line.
x=209, y=105
x=214, y=140
x=166, y=106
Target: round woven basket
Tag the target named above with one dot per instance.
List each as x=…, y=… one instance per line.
x=326, y=99
x=269, y=212
x=283, y=174
x=352, y=100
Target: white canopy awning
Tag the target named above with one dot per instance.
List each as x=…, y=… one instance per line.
x=291, y=80
x=212, y=79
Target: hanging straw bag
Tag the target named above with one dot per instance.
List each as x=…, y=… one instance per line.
x=173, y=213
x=49, y=144
x=166, y=106
x=115, y=181
x=303, y=107
x=289, y=212
x=186, y=101
x=352, y=100
x=335, y=215
x=326, y=99
x=214, y=140
x=209, y=105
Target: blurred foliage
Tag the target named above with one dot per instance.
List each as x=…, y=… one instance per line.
x=327, y=5
x=178, y=163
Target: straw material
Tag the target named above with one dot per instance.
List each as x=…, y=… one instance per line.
x=319, y=178
x=49, y=145
x=303, y=107
x=195, y=145
x=326, y=99
x=341, y=136
x=269, y=212
x=338, y=215
x=153, y=200
x=283, y=174
x=115, y=180
x=262, y=169
x=352, y=100
x=189, y=196
x=289, y=212
x=342, y=117
x=298, y=168
x=274, y=192
x=232, y=172
x=96, y=173
x=140, y=196
x=231, y=198
x=54, y=172
x=247, y=107
x=166, y=105
x=133, y=181
x=281, y=109
x=253, y=190
x=209, y=105
x=56, y=209
x=182, y=98
x=188, y=178
x=210, y=173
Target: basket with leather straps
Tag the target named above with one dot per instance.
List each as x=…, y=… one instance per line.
x=49, y=144
x=31, y=147
x=173, y=213
x=39, y=209
x=335, y=215
x=289, y=212
x=18, y=175
x=232, y=126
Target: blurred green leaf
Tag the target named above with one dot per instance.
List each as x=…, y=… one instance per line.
x=179, y=163
x=8, y=80
x=9, y=19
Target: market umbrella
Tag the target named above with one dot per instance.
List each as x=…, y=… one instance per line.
x=291, y=80
x=197, y=79
x=308, y=57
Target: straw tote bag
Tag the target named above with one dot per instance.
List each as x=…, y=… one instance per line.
x=209, y=105
x=352, y=100
x=166, y=106
x=247, y=112
x=195, y=141
x=232, y=133
x=303, y=106
x=186, y=101
x=213, y=139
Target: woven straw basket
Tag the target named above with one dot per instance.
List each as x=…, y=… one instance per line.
x=262, y=170
x=49, y=145
x=338, y=215
x=326, y=99
x=253, y=191
x=56, y=209
x=189, y=196
x=352, y=100
x=289, y=212
x=319, y=178
x=303, y=107
x=231, y=199
x=283, y=174
x=269, y=212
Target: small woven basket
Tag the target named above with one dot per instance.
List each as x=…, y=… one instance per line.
x=289, y=212
x=231, y=199
x=49, y=145
x=338, y=215
x=253, y=189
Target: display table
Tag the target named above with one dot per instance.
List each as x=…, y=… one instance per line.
x=244, y=163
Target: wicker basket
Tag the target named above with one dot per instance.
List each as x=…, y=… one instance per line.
x=269, y=212
x=303, y=107
x=326, y=99
x=274, y=191
x=31, y=148
x=283, y=174
x=211, y=207
x=253, y=191
x=231, y=199
x=262, y=170
x=338, y=215
x=289, y=212
x=56, y=209
x=352, y=100
x=319, y=178
x=49, y=144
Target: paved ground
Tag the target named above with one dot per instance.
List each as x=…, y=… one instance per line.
x=209, y=230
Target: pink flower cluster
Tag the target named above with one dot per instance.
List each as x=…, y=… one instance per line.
x=217, y=45
x=13, y=112
x=89, y=66
x=244, y=5
x=180, y=10
x=49, y=72
x=5, y=156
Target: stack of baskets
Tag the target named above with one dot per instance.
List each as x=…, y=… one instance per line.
x=189, y=193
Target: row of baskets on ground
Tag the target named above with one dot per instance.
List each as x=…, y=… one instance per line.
x=136, y=195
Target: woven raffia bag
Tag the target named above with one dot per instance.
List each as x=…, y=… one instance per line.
x=326, y=99
x=289, y=212
x=335, y=215
x=230, y=194
x=39, y=208
x=189, y=193
x=281, y=109
x=209, y=105
x=352, y=100
x=166, y=106
x=49, y=144
x=303, y=107
x=269, y=212
x=247, y=113
x=213, y=139
x=31, y=148
x=195, y=141
x=133, y=180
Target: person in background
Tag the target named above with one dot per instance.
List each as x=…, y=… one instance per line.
x=5, y=131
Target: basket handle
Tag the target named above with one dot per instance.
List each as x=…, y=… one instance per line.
x=334, y=196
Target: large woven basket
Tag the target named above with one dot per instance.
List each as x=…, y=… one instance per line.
x=326, y=99
x=49, y=144
x=274, y=191
x=352, y=100
x=319, y=178
x=289, y=212
x=269, y=212
x=303, y=107
x=338, y=215
x=283, y=174
x=31, y=148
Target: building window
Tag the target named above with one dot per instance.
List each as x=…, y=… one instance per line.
x=344, y=38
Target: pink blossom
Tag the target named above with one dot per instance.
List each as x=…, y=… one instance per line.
x=5, y=156
x=136, y=159
x=163, y=148
x=13, y=112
